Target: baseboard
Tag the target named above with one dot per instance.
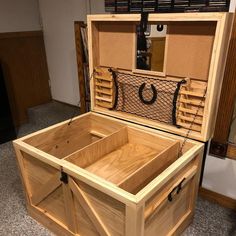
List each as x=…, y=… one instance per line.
x=68, y=104
x=222, y=200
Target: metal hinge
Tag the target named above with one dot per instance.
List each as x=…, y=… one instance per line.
x=64, y=177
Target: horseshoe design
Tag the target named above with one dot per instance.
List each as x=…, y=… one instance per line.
x=140, y=92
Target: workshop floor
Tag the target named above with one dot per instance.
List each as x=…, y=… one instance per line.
x=210, y=218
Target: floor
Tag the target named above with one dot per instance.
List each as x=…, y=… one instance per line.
x=210, y=219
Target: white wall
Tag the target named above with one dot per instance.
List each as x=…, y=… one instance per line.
x=18, y=15
x=58, y=18
x=220, y=176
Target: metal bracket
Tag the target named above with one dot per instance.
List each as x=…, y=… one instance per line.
x=176, y=189
x=64, y=177
x=218, y=149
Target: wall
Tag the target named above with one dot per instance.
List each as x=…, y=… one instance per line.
x=220, y=176
x=58, y=18
x=18, y=15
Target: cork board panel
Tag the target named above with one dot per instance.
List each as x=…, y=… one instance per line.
x=189, y=49
x=117, y=44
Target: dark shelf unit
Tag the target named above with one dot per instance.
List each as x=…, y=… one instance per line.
x=166, y=6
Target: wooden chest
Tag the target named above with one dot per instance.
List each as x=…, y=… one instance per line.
x=115, y=171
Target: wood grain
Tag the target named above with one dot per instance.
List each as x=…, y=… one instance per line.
x=228, y=94
x=80, y=66
x=42, y=192
x=119, y=164
x=116, y=53
x=88, y=208
x=65, y=139
x=69, y=208
x=133, y=183
x=48, y=221
x=110, y=211
x=54, y=206
x=23, y=60
x=218, y=198
x=231, y=151
x=92, y=153
x=189, y=49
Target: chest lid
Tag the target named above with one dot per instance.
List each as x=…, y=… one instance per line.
x=167, y=76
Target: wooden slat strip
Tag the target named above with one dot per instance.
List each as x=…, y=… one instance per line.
x=104, y=91
x=187, y=126
x=103, y=85
x=104, y=77
x=88, y=208
x=195, y=94
x=191, y=119
x=103, y=99
x=192, y=102
x=183, y=109
x=103, y=104
x=47, y=188
x=196, y=85
x=69, y=208
x=98, y=134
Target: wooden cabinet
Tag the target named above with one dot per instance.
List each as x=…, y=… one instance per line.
x=113, y=171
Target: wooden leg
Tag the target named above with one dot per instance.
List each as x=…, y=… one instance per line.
x=134, y=220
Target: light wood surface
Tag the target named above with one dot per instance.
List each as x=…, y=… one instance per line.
x=54, y=206
x=78, y=193
x=134, y=220
x=207, y=35
x=49, y=222
x=48, y=187
x=120, y=178
x=216, y=72
x=110, y=52
x=70, y=137
x=190, y=49
x=157, y=51
x=110, y=211
x=152, y=168
x=108, y=208
x=153, y=208
x=104, y=88
x=69, y=208
x=93, y=153
x=119, y=164
x=227, y=103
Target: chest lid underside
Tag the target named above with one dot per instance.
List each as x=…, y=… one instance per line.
x=167, y=76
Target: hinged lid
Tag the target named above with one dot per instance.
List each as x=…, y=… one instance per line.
x=178, y=87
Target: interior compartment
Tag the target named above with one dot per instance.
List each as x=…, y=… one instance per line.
x=129, y=158
x=182, y=61
x=74, y=135
x=115, y=45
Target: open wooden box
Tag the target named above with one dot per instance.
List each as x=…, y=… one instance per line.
x=104, y=175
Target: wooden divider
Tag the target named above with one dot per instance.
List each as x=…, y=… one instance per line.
x=138, y=179
x=95, y=151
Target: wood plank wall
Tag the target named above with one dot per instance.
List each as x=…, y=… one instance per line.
x=23, y=59
x=219, y=143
